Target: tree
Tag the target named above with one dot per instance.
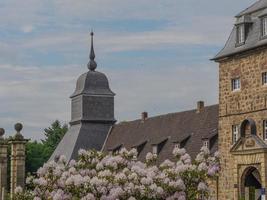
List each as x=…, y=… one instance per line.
x=37, y=153
x=36, y=156
x=53, y=135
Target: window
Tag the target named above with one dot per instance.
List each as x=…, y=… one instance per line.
x=155, y=149
x=235, y=133
x=240, y=34
x=265, y=129
x=206, y=143
x=264, y=27
x=139, y=148
x=264, y=78
x=177, y=145
x=135, y=157
x=116, y=149
x=236, y=84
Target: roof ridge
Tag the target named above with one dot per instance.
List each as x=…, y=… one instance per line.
x=164, y=115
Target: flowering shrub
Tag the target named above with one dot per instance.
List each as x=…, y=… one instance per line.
x=99, y=176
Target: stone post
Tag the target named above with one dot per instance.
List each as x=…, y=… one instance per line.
x=3, y=165
x=18, y=144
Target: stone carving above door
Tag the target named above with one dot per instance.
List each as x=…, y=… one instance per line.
x=249, y=144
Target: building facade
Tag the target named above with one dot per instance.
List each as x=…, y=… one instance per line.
x=243, y=106
x=237, y=126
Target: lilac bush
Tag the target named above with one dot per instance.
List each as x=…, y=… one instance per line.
x=100, y=176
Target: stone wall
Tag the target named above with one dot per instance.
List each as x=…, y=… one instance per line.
x=235, y=107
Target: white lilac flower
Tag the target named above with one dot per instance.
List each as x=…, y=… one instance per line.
x=202, y=186
x=18, y=190
x=202, y=167
x=106, y=177
x=178, y=151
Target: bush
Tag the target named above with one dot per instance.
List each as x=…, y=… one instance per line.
x=99, y=176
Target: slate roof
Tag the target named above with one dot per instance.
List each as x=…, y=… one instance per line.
x=92, y=83
x=253, y=35
x=188, y=127
x=254, y=7
x=92, y=113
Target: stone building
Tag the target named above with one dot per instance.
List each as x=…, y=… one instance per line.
x=93, y=125
x=237, y=126
x=242, y=106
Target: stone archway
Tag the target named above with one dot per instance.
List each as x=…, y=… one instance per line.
x=251, y=184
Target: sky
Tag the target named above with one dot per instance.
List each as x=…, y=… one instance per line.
x=155, y=53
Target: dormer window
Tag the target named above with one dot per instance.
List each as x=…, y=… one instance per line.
x=158, y=146
x=264, y=26
x=139, y=147
x=155, y=149
x=177, y=145
x=240, y=34
x=206, y=143
x=116, y=149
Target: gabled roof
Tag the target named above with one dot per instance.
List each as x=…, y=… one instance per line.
x=171, y=127
x=253, y=33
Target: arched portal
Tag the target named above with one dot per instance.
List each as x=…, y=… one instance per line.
x=251, y=184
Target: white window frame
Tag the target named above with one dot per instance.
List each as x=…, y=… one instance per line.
x=235, y=133
x=177, y=145
x=264, y=78
x=206, y=143
x=240, y=34
x=264, y=26
x=265, y=129
x=155, y=149
x=236, y=84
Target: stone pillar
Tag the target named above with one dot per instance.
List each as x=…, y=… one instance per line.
x=3, y=164
x=17, y=168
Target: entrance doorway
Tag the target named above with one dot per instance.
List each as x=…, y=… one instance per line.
x=251, y=184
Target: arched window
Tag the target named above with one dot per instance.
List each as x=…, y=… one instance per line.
x=248, y=127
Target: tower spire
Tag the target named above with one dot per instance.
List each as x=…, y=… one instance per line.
x=92, y=64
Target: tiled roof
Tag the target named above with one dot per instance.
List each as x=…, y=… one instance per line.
x=253, y=33
x=188, y=127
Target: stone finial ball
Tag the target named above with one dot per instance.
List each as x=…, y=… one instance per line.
x=2, y=131
x=18, y=127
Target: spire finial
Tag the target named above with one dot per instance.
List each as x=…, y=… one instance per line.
x=92, y=64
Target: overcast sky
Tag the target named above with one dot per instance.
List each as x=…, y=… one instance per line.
x=155, y=53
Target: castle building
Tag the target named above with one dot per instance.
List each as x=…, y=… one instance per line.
x=92, y=124
x=237, y=126
x=243, y=106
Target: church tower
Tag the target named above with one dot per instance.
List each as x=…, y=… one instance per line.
x=243, y=106
x=92, y=112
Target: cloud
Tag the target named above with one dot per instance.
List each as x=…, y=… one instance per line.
x=36, y=93
x=37, y=96
x=27, y=28
x=113, y=41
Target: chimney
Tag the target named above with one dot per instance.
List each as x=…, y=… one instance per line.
x=200, y=106
x=144, y=116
